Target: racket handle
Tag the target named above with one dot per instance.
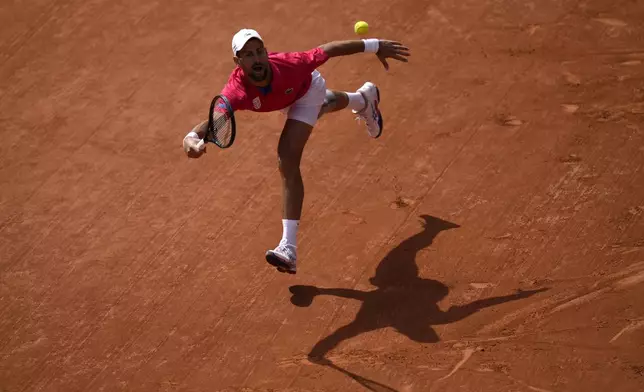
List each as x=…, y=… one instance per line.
x=200, y=144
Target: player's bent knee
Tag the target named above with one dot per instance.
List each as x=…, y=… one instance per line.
x=288, y=154
x=330, y=100
x=289, y=167
x=291, y=146
x=329, y=104
x=288, y=161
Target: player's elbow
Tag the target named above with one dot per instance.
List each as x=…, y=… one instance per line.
x=327, y=48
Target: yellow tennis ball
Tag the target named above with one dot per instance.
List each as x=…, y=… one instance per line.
x=361, y=28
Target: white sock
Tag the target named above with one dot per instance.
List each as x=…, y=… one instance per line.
x=289, y=233
x=356, y=101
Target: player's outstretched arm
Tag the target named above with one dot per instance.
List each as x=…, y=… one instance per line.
x=384, y=49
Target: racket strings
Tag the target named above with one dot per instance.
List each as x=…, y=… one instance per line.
x=221, y=127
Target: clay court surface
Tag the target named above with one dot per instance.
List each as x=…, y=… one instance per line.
x=491, y=240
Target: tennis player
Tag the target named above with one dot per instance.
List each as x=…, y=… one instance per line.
x=289, y=82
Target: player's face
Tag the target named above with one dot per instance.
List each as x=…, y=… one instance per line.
x=253, y=60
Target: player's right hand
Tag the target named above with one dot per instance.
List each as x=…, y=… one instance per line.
x=191, y=147
x=391, y=50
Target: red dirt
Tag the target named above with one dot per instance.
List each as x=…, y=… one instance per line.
x=126, y=266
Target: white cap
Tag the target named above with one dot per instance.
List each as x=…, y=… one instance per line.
x=241, y=37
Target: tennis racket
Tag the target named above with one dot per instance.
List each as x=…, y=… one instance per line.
x=221, y=123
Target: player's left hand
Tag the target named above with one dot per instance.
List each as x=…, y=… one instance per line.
x=191, y=147
x=391, y=50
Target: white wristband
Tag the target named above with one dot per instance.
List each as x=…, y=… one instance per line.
x=371, y=45
x=192, y=134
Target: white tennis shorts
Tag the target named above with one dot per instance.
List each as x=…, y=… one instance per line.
x=307, y=108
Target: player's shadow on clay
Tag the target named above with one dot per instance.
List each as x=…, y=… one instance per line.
x=402, y=301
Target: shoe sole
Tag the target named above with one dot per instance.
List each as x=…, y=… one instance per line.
x=278, y=263
x=381, y=122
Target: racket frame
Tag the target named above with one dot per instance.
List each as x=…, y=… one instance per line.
x=210, y=131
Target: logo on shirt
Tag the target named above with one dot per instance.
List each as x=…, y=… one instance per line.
x=288, y=90
x=257, y=103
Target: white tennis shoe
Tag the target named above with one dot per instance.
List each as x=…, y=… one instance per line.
x=371, y=114
x=283, y=257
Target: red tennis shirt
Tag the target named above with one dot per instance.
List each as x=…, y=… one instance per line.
x=291, y=80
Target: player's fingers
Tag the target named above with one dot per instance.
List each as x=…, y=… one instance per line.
x=395, y=44
x=195, y=154
x=395, y=55
x=384, y=62
x=192, y=145
x=400, y=58
x=401, y=47
x=392, y=50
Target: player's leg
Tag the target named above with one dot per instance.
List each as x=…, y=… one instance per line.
x=364, y=102
x=289, y=151
x=302, y=117
x=339, y=100
x=336, y=100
